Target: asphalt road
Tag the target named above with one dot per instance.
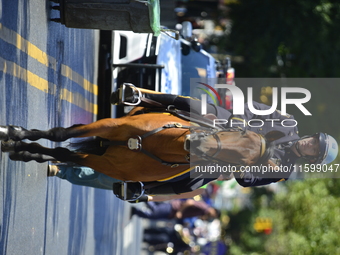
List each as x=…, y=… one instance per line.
x=48, y=77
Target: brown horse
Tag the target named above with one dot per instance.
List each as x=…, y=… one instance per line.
x=155, y=137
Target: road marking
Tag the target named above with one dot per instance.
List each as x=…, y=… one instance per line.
x=13, y=69
x=77, y=78
x=79, y=100
x=33, y=51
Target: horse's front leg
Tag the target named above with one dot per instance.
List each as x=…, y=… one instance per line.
x=17, y=133
x=26, y=156
x=59, y=134
x=21, y=151
x=34, y=151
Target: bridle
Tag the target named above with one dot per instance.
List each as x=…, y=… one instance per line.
x=266, y=151
x=212, y=133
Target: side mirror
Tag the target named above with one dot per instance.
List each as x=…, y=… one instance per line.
x=185, y=48
x=186, y=29
x=196, y=45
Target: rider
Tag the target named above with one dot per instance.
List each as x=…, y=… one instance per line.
x=319, y=148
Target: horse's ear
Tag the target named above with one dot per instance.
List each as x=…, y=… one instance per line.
x=274, y=135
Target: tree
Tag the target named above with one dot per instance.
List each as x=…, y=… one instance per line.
x=293, y=38
x=307, y=220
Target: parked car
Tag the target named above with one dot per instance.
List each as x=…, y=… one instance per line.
x=161, y=63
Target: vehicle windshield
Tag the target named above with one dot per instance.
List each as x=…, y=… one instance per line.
x=196, y=65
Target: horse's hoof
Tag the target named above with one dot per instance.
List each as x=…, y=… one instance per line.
x=4, y=133
x=8, y=146
x=16, y=156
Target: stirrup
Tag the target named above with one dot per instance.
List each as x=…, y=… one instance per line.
x=123, y=191
x=124, y=96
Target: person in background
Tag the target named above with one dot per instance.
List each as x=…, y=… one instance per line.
x=177, y=209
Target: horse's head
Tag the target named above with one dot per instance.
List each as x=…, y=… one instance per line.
x=231, y=146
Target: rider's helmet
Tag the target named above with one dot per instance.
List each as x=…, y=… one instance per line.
x=328, y=149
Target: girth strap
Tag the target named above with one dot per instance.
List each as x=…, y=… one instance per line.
x=140, y=138
x=193, y=117
x=182, y=114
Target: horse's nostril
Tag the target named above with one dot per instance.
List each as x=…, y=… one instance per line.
x=191, y=142
x=187, y=142
x=187, y=145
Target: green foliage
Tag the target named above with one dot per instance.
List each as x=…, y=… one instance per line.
x=241, y=227
x=306, y=220
x=294, y=38
x=310, y=220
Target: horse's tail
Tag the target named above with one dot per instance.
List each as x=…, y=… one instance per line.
x=89, y=145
